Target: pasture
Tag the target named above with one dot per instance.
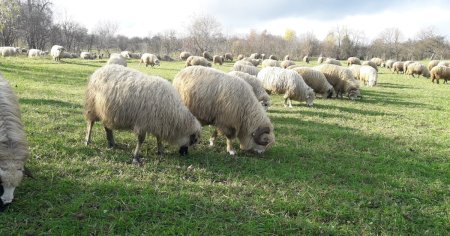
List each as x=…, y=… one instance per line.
x=376, y=166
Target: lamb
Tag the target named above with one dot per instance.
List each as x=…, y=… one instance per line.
x=405, y=65
x=353, y=61
x=286, y=63
x=377, y=61
x=287, y=82
x=215, y=98
x=10, y=51
x=332, y=61
x=149, y=59
x=125, y=54
x=270, y=63
x=432, y=64
x=243, y=67
x=240, y=57
x=184, y=55
x=35, y=53
x=207, y=56
x=218, y=59
x=397, y=67
x=273, y=57
x=444, y=63
x=257, y=87
x=287, y=58
x=124, y=98
x=370, y=63
x=440, y=72
x=320, y=60
x=316, y=80
x=57, y=52
x=389, y=64
x=197, y=61
x=228, y=57
x=117, y=59
x=368, y=75
x=86, y=56
x=341, y=79
x=306, y=59
x=417, y=68
x=13, y=144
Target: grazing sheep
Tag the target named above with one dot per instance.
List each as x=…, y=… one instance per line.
x=444, y=63
x=35, y=53
x=440, y=72
x=13, y=144
x=370, y=63
x=287, y=58
x=125, y=54
x=368, y=75
x=306, y=59
x=149, y=59
x=377, y=61
x=320, y=60
x=270, y=63
x=355, y=69
x=255, y=62
x=197, y=61
x=218, y=59
x=240, y=57
x=243, y=66
x=117, y=59
x=273, y=57
x=286, y=63
x=353, y=61
x=207, y=56
x=389, y=64
x=263, y=56
x=215, y=98
x=417, y=68
x=86, y=56
x=135, y=55
x=255, y=56
x=10, y=51
x=316, y=80
x=405, y=65
x=432, y=64
x=57, y=52
x=228, y=57
x=184, y=55
x=287, y=82
x=397, y=67
x=341, y=79
x=124, y=98
x=257, y=87
x=332, y=61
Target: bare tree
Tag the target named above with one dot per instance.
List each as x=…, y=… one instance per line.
x=9, y=21
x=203, y=31
x=104, y=33
x=37, y=21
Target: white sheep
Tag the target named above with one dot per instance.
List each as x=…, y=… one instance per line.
x=389, y=64
x=316, y=80
x=197, y=61
x=246, y=67
x=444, y=63
x=255, y=56
x=320, y=60
x=10, y=51
x=432, y=64
x=255, y=62
x=85, y=55
x=257, y=87
x=405, y=65
x=184, y=55
x=57, y=52
x=397, y=67
x=370, y=63
x=207, y=55
x=270, y=63
x=353, y=61
x=440, y=72
x=418, y=69
x=332, y=61
x=217, y=59
x=125, y=54
x=13, y=144
x=117, y=59
x=377, y=61
x=368, y=75
x=341, y=79
x=286, y=63
x=288, y=82
x=228, y=104
x=35, y=53
x=124, y=98
x=149, y=59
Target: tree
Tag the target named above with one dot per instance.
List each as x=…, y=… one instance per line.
x=104, y=32
x=9, y=21
x=37, y=22
x=203, y=31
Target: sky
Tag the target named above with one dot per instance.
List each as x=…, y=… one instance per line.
x=237, y=17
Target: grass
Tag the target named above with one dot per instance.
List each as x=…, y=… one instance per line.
x=378, y=166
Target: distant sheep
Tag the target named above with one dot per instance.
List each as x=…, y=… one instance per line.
x=57, y=52
x=377, y=61
x=353, y=61
x=125, y=54
x=273, y=57
x=306, y=59
x=341, y=79
x=257, y=87
x=316, y=80
x=218, y=59
x=320, y=60
x=13, y=144
x=405, y=65
x=397, y=67
x=228, y=57
x=123, y=98
x=255, y=56
x=207, y=56
x=270, y=63
x=86, y=56
x=418, y=69
x=432, y=64
x=149, y=59
x=444, y=63
x=286, y=63
x=135, y=55
x=368, y=75
x=287, y=82
x=10, y=51
x=243, y=67
x=440, y=72
x=388, y=64
x=255, y=62
x=35, y=53
x=197, y=61
x=355, y=69
x=370, y=63
x=287, y=58
x=229, y=104
x=332, y=61
x=240, y=57
x=117, y=59
x=184, y=55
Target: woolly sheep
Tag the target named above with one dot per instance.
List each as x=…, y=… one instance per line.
x=228, y=57
x=257, y=87
x=149, y=59
x=341, y=79
x=355, y=69
x=35, y=53
x=286, y=63
x=287, y=58
x=244, y=62
x=86, y=56
x=215, y=98
x=440, y=72
x=320, y=60
x=125, y=54
x=397, y=67
x=254, y=62
x=288, y=82
x=117, y=59
x=243, y=67
x=124, y=98
x=306, y=59
x=240, y=57
x=388, y=64
x=184, y=55
x=405, y=65
x=353, y=61
x=217, y=59
x=377, y=61
x=368, y=75
x=417, y=68
x=444, y=63
x=197, y=61
x=10, y=51
x=270, y=63
x=370, y=63
x=255, y=56
x=432, y=64
x=13, y=144
x=316, y=80
x=57, y=52
x=273, y=57
x=207, y=56
x=332, y=61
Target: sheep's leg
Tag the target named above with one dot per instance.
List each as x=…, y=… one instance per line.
x=214, y=135
x=290, y=103
x=285, y=102
x=137, y=158
x=90, y=124
x=110, y=137
x=230, y=147
x=160, y=145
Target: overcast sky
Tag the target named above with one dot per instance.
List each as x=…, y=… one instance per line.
x=144, y=17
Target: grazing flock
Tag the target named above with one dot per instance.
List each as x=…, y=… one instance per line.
x=234, y=103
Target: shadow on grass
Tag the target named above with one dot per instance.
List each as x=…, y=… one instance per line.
x=396, y=86
x=49, y=102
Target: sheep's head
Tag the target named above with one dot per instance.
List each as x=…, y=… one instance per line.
x=310, y=96
x=11, y=175
x=261, y=139
x=189, y=140
x=354, y=94
x=426, y=74
x=330, y=92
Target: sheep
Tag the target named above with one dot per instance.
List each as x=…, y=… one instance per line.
x=243, y=67
x=218, y=59
x=57, y=52
x=126, y=99
x=388, y=64
x=444, y=63
x=316, y=80
x=273, y=57
x=405, y=65
x=35, y=53
x=355, y=69
x=418, y=69
x=85, y=55
x=75, y=55
x=207, y=56
x=10, y=51
x=353, y=61
x=149, y=59
x=270, y=63
x=287, y=58
x=255, y=62
x=197, y=61
x=341, y=79
x=377, y=61
x=320, y=60
x=135, y=55
x=117, y=59
x=184, y=55
x=306, y=59
x=397, y=67
x=440, y=72
x=228, y=57
x=240, y=57
x=257, y=87
x=255, y=56
x=368, y=75
x=287, y=82
x=332, y=61
x=286, y=63
x=432, y=64
x=370, y=63
x=13, y=144
x=125, y=54
x=215, y=98
x=244, y=62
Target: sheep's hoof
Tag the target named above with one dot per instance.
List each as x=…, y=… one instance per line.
x=183, y=151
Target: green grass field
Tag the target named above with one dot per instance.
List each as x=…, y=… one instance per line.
x=377, y=166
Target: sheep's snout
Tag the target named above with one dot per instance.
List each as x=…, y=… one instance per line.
x=183, y=150
x=7, y=194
